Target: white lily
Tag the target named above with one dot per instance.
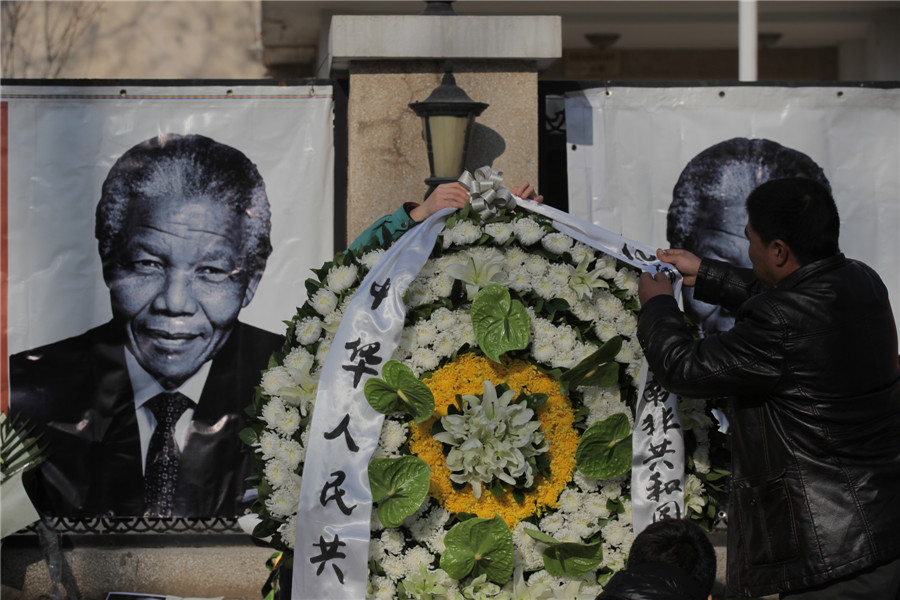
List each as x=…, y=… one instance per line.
x=477, y=272
x=584, y=282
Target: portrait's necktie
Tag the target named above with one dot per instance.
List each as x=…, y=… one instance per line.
x=163, y=455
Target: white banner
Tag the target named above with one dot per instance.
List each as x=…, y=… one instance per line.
x=59, y=145
x=631, y=145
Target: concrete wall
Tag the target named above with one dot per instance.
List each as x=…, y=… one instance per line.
x=135, y=40
x=388, y=160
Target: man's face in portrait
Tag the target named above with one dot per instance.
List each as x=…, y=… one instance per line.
x=178, y=283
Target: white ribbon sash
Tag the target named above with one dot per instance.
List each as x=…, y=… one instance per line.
x=334, y=518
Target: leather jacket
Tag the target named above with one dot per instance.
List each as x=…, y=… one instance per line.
x=812, y=370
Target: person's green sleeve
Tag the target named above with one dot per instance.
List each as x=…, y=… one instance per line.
x=386, y=229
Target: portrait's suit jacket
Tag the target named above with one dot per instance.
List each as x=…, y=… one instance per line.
x=77, y=393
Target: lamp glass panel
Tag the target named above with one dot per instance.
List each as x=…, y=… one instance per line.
x=448, y=137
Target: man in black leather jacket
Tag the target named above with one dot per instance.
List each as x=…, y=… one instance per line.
x=671, y=559
x=812, y=366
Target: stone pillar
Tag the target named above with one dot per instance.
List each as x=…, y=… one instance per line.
x=393, y=61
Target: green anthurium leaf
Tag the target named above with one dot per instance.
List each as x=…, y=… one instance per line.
x=569, y=559
x=399, y=486
x=599, y=369
x=604, y=450
x=501, y=323
x=399, y=391
x=541, y=536
x=479, y=546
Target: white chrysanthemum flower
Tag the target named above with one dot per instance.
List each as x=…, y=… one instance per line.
x=290, y=421
x=605, y=330
x=284, y=501
x=418, y=293
x=536, y=265
x=559, y=274
x=580, y=252
x=588, y=484
x=272, y=411
x=565, y=338
x=289, y=452
x=446, y=344
x=415, y=556
x=585, y=310
x=308, y=331
x=393, y=540
x=426, y=333
x=546, y=289
x=595, y=506
x=299, y=362
x=607, y=304
x=423, y=359
x=277, y=381
x=499, y=231
x=394, y=566
x=552, y=523
x=625, y=355
x=627, y=279
x=527, y=547
x=612, y=490
x=288, y=531
x=518, y=280
x=441, y=285
x=543, y=352
x=570, y=501
x=463, y=233
x=557, y=242
x=268, y=444
x=324, y=347
x=528, y=231
x=515, y=257
x=616, y=532
x=613, y=557
x=626, y=323
x=278, y=473
x=582, y=524
x=324, y=301
x=370, y=259
x=393, y=435
x=341, y=278
x=443, y=319
x=383, y=588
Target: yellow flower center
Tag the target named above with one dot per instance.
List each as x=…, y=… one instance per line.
x=466, y=375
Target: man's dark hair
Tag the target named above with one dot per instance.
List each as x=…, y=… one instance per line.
x=678, y=542
x=715, y=183
x=798, y=211
x=186, y=167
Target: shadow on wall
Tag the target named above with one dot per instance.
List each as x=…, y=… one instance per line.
x=487, y=145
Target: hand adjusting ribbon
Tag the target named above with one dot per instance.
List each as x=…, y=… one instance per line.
x=486, y=194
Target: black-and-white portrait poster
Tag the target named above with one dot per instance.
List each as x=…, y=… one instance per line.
x=155, y=238
x=672, y=166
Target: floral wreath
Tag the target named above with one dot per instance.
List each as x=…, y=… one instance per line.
x=509, y=408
